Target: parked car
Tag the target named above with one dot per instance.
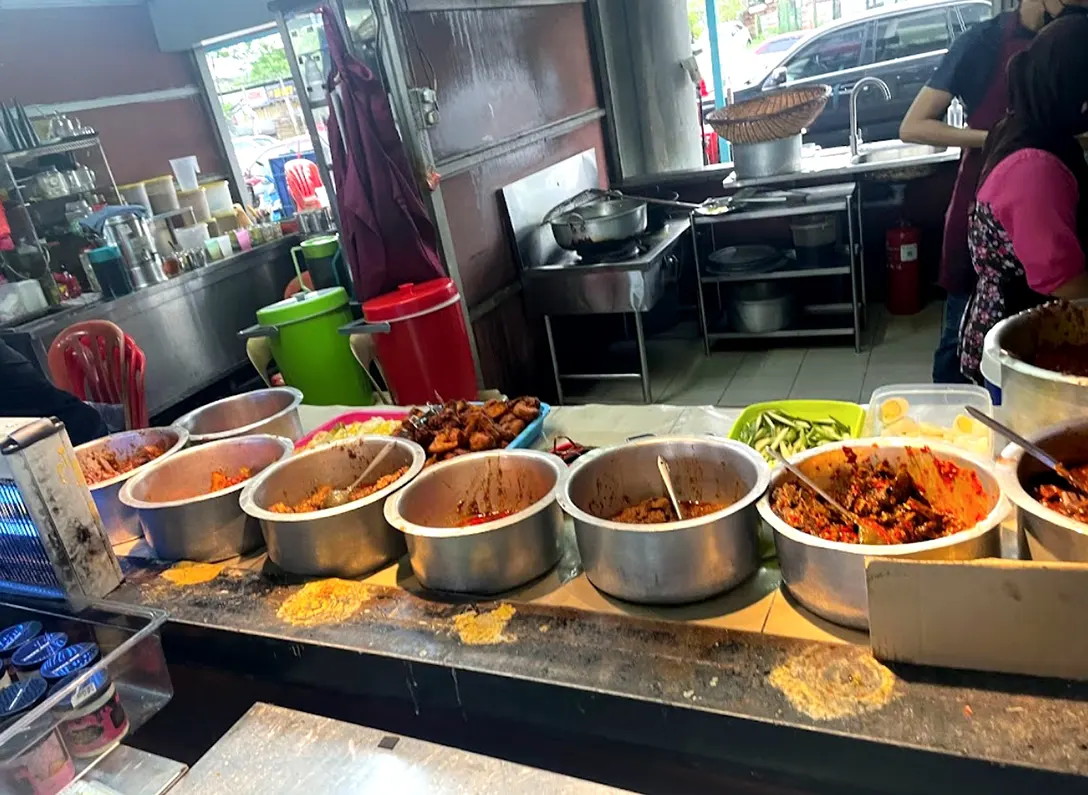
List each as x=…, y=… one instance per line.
x=901, y=45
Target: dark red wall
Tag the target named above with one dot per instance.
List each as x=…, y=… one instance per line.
x=501, y=72
x=54, y=55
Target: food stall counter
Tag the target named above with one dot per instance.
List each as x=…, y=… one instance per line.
x=748, y=678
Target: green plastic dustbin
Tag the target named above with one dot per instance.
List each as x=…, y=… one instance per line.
x=311, y=355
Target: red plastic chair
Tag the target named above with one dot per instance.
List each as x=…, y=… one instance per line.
x=303, y=180
x=95, y=360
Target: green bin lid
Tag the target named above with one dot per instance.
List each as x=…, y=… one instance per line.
x=302, y=305
x=319, y=247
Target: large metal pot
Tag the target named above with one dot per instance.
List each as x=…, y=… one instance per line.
x=335, y=542
x=1049, y=535
x=121, y=522
x=676, y=562
x=600, y=223
x=496, y=555
x=828, y=577
x=181, y=519
x=768, y=158
x=271, y=411
x=1033, y=398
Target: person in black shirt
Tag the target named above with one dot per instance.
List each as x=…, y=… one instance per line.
x=974, y=69
x=25, y=392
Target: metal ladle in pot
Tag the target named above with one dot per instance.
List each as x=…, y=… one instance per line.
x=338, y=497
x=1034, y=450
x=663, y=468
x=866, y=533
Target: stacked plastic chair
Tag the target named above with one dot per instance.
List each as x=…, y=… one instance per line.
x=96, y=361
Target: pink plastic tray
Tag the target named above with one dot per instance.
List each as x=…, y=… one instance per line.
x=359, y=415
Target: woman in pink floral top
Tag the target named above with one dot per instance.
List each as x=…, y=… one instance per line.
x=1029, y=225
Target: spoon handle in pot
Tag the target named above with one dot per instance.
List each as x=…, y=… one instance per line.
x=1035, y=450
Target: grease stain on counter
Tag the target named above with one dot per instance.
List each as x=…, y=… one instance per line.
x=189, y=573
x=487, y=628
x=824, y=684
x=324, y=602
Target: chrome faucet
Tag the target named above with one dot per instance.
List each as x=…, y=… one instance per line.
x=855, y=133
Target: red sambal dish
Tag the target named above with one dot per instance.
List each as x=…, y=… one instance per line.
x=1058, y=496
x=887, y=499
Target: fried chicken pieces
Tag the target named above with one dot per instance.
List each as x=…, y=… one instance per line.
x=459, y=427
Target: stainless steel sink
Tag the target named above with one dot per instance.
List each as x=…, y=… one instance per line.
x=895, y=154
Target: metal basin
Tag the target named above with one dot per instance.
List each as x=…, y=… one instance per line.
x=896, y=153
x=1033, y=398
x=1049, y=534
x=679, y=561
x=828, y=577
x=181, y=520
x=335, y=542
x=121, y=522
x=494, y=556
x=272, y=411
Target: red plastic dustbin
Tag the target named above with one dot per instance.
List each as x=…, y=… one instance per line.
x=422, y=342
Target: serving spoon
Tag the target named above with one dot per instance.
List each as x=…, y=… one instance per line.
x=1034, y=450
x=866, y=533
x=338, y=497
x=666, y=477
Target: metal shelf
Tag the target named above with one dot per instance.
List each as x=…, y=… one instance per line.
x=70, y=145
x=785, y=273
x=788, y=333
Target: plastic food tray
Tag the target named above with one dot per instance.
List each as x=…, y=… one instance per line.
x=131, y=658
x=849, y=414
x=929, y=403
x=524, y=439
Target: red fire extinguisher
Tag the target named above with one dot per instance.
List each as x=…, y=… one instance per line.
x=904, y=277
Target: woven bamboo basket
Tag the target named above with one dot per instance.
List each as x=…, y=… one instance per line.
x=781, y=114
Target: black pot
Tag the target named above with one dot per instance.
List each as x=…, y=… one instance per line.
x=658, y=214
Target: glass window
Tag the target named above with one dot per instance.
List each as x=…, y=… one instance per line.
x=973, y=13
x=831, y=53
x=912, y=34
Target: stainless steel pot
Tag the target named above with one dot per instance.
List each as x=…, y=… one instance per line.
x=767, y=159
x=1049, y=535
x=676, y=562
x=600, y=223
x=181, y=520
x=272, y=411
x=494, y=556
x=335, y=542
x=828, y=577
x=1033, y=398
x=761, y=307
x=122, y=522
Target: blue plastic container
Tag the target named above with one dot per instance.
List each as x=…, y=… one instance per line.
x=279, y=179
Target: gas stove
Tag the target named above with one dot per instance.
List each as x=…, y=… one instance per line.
x=640, y=253
x=630, y=279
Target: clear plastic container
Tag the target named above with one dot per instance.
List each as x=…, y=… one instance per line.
x=933, y=411
x=58, y=733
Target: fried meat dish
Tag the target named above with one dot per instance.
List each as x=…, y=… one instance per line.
x=460, y=427
x=316, y=500
x=102, y=464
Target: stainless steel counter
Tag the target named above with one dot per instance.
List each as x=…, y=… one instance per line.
x=187, y=326
x=825, y=166
x=273, y=750
x=128, y=771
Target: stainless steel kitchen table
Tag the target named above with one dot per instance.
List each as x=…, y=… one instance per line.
x=275, y=751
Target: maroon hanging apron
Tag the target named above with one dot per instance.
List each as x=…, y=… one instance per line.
x=385, y=230
x=957, y=274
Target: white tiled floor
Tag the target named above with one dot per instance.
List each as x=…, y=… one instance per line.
x=899, y=351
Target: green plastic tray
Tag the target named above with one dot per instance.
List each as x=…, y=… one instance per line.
x=849, y=414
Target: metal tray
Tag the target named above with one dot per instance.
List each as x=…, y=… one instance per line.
x=524, y=439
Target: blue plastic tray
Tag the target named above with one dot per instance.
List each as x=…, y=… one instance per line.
x=533, y=430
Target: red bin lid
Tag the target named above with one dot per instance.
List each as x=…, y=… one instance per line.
x=410, y=299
